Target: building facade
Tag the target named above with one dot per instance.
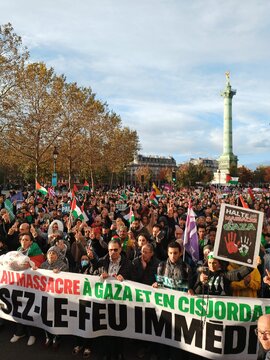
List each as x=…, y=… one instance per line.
x=155, y=164
x=210, y=164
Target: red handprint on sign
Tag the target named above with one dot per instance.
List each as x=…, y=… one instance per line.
x=230, y=243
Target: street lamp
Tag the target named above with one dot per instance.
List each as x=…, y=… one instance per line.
x=54, y=175
x=55, y=155
x=125, y=178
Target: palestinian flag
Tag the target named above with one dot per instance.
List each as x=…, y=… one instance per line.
x=130, y=193
x=156, y=190
x=9, y=207
x=81, y=206
x=153, y=199
x=41, y=189
x=231, y=180
x=130, y=217
x=123, y=196
x=86, y=186
x=76, y=211
x=74, y=191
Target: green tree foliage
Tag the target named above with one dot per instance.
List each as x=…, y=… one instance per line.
x=143, y=174
x=190, y=175
x=259, y=174
x=40, y=110
x=204, y=175
x=245, y=175
x=165, y=175
x=74, y=151
x=267, y=174
x=34, y=122
x=120, y=150
x=12, y=58
x=187, y=175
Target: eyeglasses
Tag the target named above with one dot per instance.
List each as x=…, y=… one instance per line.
x=262, y=333
x=115, y=249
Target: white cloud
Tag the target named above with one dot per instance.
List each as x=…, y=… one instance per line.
x=161, y=65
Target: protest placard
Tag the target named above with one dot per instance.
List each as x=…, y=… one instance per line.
x=238, y=235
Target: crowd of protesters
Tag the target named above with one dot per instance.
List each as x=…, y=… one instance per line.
x=124, y=234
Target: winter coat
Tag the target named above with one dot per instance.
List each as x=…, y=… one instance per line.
x=145, y=276
x=58, y=264
x=125, y=266
x=239, y=288
x=219, y=281
x=176, y=276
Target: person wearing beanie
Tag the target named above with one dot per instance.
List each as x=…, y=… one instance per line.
x=54, y=261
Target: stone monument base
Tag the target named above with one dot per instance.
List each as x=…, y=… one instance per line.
x=220, y=177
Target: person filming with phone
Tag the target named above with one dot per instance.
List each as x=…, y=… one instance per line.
x=215, y=280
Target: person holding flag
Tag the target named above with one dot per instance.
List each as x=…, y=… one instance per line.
x=156, y=190
x=191, y=243
x=86, y=186
x=5, y=224
x=251, y=197
x=75, y=210
x=153, y=199
x=42, y=190
x=74, y=191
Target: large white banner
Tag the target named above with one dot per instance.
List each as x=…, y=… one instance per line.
x=67, y=303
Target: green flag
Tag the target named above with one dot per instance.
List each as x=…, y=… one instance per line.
x=123, y=196
x=9, y=207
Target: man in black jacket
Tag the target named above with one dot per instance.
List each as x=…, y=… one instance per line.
x=114, y=264
x=118, y=266
x=174, y=273
x=145, y=266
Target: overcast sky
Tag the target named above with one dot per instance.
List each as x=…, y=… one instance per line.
x=160, y=65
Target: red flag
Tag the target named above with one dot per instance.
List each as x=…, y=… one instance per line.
x=74, y=191
x=228, y=178
x=251, y=194
x=244, y=204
